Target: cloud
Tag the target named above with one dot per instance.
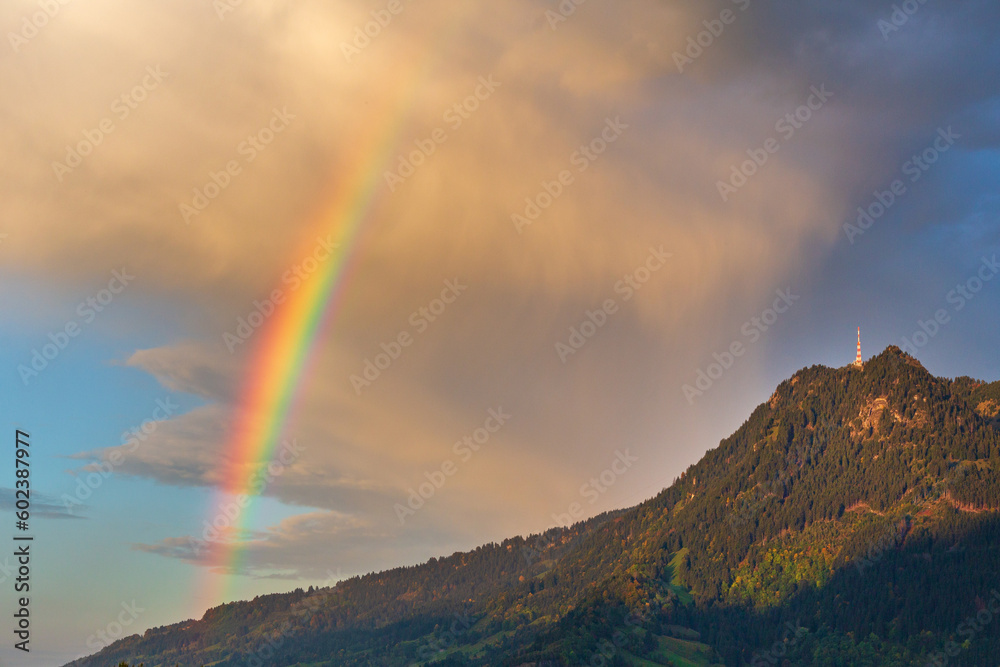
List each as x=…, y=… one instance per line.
x=42, y=505
x=305, y=546
x=655, y=186
x=134, y=182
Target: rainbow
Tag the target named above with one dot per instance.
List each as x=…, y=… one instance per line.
x=288, y=341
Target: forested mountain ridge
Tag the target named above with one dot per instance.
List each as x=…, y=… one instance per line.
x=851, y=520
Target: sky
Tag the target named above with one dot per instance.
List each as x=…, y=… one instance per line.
x=587, y=233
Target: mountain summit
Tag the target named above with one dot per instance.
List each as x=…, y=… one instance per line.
x=851, y=520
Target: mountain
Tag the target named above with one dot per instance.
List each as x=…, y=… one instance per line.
x=851, y=520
